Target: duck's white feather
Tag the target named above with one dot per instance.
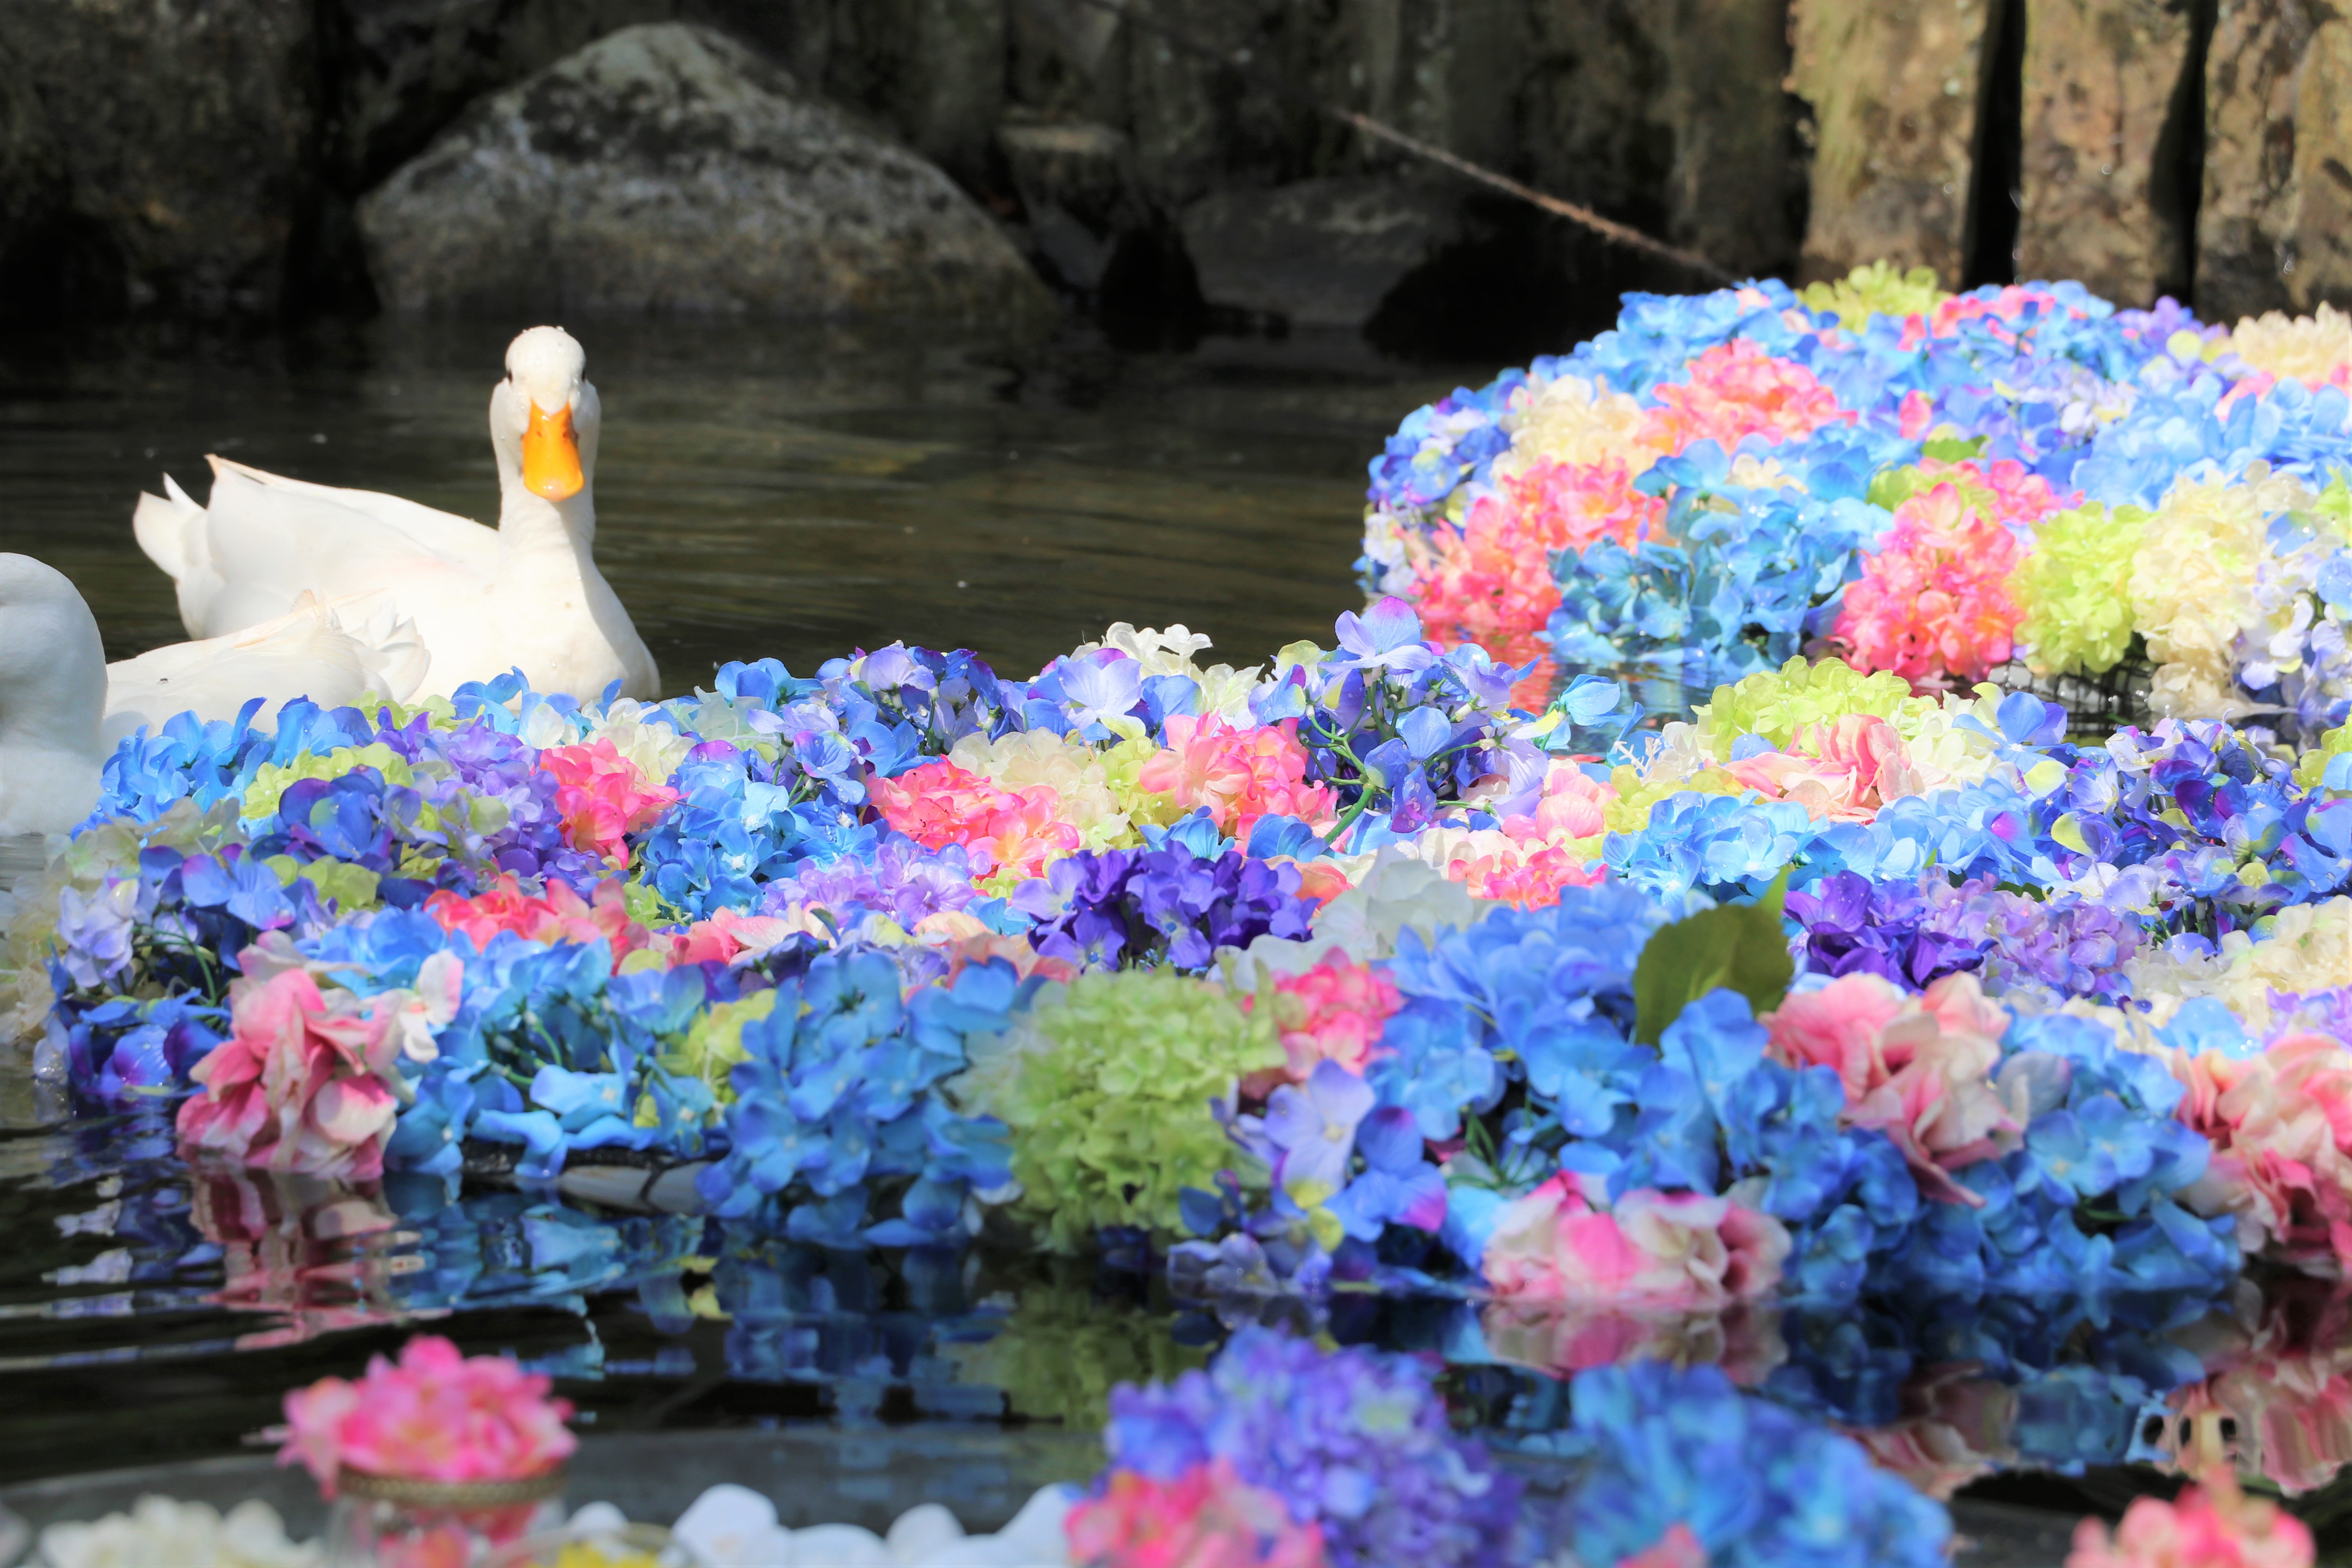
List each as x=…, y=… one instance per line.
x=526, y=594
x=333, y=653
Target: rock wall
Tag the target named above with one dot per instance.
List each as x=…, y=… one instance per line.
x=212, y=157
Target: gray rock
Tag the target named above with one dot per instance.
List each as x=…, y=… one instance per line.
x=2275, y=226
x=1319, y=253
x=1896, y=91
x=172, y=139
x=667, y=168
x=2107, y=104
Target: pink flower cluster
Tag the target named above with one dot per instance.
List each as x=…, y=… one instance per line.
x=939, y=803
x=555, y=914
x=303, y=1083
x=1678, y=1548
x=2281, y=1127
x=1669, y=1250
x=1240, y=775
x=1207, y=1516
x=2213, y=1525
x=1918, y=1069
x=1334, y=1012
x=1735, y=390
x=1933, y=604
x=1531, y=857
x=2015, y=495
x=439, y=1415
x=603, y=798
x=1842, y=771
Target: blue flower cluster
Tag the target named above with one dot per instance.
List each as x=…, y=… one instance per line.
x=1169, y=905
x=1758, y=1486
x=1352, y=1440
x=837, y=1106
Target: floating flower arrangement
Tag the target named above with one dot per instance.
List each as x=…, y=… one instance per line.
x=1697, y=883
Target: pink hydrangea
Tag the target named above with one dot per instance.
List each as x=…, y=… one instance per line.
x=1240, y=775
x=1521, y=866
x=2281, y=1127
x=302, y=1084
x=722, y=939
x=2277, y=1399
x=439, y=1415
x=939, y=803
x=1678, y=1548
x=1208, y=1517
x=1933, y=604
x=1841, y=771
x=2014, y=495
x=1676, y=1250
x=1918, y=1069
x=603, y=798
x=1488, y=579
x=1735, y=390
x=2211, y=1525
x=1333, y=1012
x=554, y=914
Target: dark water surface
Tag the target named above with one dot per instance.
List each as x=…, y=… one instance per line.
x=773, y=490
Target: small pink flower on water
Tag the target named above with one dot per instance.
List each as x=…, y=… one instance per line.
x=1207, y=1516
x=437, y=1415
x=2211, y=1525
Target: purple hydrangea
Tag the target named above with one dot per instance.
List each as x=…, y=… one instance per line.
x=1141, y=906
x=1915, y=933
x=1353, y=1439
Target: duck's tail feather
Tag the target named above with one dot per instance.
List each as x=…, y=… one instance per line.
x=171, y=529
x=390, y=649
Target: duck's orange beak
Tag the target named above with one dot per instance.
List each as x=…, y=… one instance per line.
x=550, y=455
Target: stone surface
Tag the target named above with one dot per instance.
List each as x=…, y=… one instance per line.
x=2275, y=226
x=2110, y=110
x=1897, y=87
x=668, y=168
x=1319, y=253
x=171, y=141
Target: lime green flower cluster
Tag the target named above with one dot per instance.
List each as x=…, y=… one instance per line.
x=1877, y=290
x=1776, y=703
x=713, y=1044
x=273, y=779
x=1109, y=1092
x=2314, y=763
x=1893, y=486
x=2073, y=588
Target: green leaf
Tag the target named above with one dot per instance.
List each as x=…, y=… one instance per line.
x=1733, y=947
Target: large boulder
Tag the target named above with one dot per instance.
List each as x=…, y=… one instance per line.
x=668, y=168
x=1896, y=91
x=2110, y=110
x=2276, y=226
x=1318, y=253
x=164, y=147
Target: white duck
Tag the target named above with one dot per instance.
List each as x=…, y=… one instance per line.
x=63, y=707
x=525, y=594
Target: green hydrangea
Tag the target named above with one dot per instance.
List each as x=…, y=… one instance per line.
x=2072, y=588
x=2308, y=768
x=349, y=888
x=1776, y=703
x=1108, y=1089
x=713, y=1044
x=271, y=779
x=1877, y=290
x=1893, y=486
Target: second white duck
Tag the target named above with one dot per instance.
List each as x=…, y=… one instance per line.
x=526, y=594
x=63, y=708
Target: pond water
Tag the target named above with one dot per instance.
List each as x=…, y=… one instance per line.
x=795, y=493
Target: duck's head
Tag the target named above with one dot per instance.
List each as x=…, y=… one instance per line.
x=52, y=664
x=544, y=415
